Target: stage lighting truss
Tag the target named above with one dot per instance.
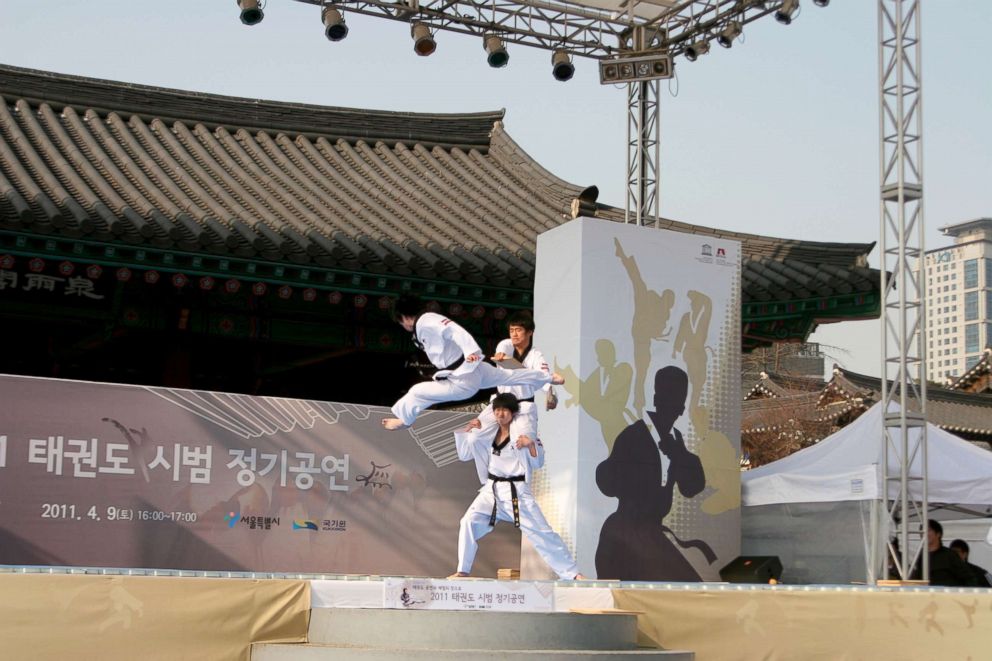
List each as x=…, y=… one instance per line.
x=578, y=29
x=635, y=69
x=561, y=65
x=335, y=29
x=787, y=11
x=496, y=54
x=423, y=40
x=251, y=11
x=697, y=48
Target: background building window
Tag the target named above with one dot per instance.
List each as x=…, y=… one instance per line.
x=971, y=305
x=970, y=273
x=971, y=344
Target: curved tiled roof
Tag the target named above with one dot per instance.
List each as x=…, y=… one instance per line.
x=970, y=380
x=439, y=196
x=774, y=384
x=964, y=413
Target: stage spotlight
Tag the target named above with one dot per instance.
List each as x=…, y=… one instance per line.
x=496, y=53
x=694, y=50
x=786, y=11
x=334, y=26
x=251, y=12
x=423, y=41
x=561, y=65
x=821, y=3
x=728, y=34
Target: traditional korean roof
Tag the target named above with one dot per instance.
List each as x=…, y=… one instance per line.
x=444, y=197
x=966, y=414
x=772, y=384
x=977, y=378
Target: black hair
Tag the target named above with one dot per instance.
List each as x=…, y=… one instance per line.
x=506, y=400
x=521, y=318
x=407, y=305
x=960, y=544
x=936, y=527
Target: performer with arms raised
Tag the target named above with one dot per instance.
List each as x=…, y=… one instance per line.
x=505, y=455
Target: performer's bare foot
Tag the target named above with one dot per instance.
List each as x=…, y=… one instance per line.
x=557, y=379
x=392, y=424
x=580, y=577
x=458, y=574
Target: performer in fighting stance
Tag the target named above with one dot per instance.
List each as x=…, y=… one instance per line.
x=461, y=370
x=520, y=347
x=505, y=455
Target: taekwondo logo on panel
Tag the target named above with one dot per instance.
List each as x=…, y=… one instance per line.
x=707, y=250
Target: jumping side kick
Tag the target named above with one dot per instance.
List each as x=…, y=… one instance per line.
x=462, y=372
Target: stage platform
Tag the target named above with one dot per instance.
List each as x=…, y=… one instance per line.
x=66, y=613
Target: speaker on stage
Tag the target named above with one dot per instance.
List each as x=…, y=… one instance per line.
x=753, y=569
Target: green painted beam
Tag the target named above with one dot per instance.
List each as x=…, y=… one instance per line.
x=143, y=257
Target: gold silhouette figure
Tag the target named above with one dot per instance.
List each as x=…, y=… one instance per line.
x=651, y=312
x=720, y=464
x=604, y=393
x=720, y=461
x=694, y=328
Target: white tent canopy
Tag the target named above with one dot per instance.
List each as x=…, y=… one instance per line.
x=821, y=511
x=847, y=466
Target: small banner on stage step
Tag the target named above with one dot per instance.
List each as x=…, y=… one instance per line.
x=468, y=594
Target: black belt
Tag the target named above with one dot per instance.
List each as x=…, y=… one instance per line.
x=513, y=496
x=526, y=399
x=453, y=366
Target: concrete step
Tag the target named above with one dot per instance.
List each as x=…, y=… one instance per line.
x=317, y=652
x=437, y=629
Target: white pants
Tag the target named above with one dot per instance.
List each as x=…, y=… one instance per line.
x=463, y=386
x=475, y=525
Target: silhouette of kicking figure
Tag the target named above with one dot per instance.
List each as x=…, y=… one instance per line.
x=648, y=460
x=651, y=312
x=603, y=394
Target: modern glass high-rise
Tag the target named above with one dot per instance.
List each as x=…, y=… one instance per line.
x=959, y=299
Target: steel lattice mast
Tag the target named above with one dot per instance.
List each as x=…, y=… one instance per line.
x=903, y=276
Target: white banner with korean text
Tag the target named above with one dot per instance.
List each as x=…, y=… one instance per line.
x=468, y=594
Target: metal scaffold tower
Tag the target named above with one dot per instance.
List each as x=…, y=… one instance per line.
x=643, y=145
x=904, y=386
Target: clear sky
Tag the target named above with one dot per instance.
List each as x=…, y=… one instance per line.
x=776, y=136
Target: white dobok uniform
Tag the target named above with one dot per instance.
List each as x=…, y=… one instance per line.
x=533, y=360
x=512, y=462
x=446, y=343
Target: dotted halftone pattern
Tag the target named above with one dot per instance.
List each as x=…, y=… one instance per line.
x=721, y=397
x=540, y=486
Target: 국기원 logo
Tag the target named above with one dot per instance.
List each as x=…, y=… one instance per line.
x=304, y=524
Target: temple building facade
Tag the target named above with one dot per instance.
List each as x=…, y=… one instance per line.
x=167, y=237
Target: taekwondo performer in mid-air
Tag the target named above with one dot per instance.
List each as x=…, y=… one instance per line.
x=505, y=455
x=461, y=369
